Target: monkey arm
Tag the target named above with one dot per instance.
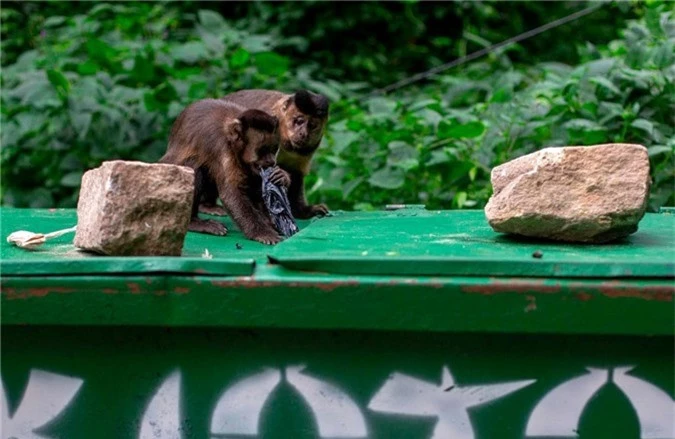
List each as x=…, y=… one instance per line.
x=253, y=223
x=296, y=196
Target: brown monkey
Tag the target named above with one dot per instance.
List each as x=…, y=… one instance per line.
x=227, y=146
x=302, y=122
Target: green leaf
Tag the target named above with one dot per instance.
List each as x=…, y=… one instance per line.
x=342, y=139
x=349, y=187
x=88, y=67
x=606, y=84
x=320, y=87
x=379, y=106
x=239, y=58
x=59, y=81
x=438, y=157
x=599, y=67
x=460, y=199
x=659, y=149
x=582, y=125
x=454, y=130
x=100, y=50
x=402, y=156
x=387, y=178
x=212, y=21
x=643, y=125
x=257, y=43
x=81, y=123
x=143, y=70
x=472, y=173
x=198, y=90
x=190, y=52
x=664, y=56
x=271, y=64
x=54, y=21
x=72, y=179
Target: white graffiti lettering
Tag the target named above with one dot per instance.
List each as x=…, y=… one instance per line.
x=406, y=395
x=655, y=409
x=238, y=409
x=162, y=416
x=335, y=412
x=559, y=412
x=46, y=396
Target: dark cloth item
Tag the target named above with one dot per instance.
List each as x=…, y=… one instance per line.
x=277, y=204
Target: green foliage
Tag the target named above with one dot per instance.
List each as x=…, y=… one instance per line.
x=437, y=144
x=107, y=85
x=87, y=82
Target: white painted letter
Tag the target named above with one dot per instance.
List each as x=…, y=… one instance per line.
x=162, y=417
x=335, y=412
x=238, y=409
x=655, y=409
x=558, y=413
x=448, y=402
x=46, y=396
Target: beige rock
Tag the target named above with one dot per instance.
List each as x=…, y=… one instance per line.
x=576, y=193
x=134, y=209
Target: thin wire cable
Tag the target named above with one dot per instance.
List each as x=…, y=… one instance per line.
x=524, y=36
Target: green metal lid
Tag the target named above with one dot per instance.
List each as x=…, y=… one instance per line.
x=232, y=255
x=461, y=243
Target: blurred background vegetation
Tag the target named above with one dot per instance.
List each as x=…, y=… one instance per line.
x=84, y=82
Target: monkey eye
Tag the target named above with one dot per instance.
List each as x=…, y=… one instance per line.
x=298, y=121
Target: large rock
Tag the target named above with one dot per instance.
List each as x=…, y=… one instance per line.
x=576, y=193
x=133, y=208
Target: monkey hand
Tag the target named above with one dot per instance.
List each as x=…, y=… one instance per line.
x=280, y=177
x=212, y=209
x=267, y=238
x=311, y=211
x=210, y=227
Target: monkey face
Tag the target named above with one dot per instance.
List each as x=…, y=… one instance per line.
x=260, y=136
x=302, y=131
x=261, y=150
x=304, y=121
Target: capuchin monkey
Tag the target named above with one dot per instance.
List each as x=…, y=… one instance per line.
x=302, y=122
x=227, y=145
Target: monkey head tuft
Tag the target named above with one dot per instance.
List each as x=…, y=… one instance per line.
x=258, y=120
x=311, y=104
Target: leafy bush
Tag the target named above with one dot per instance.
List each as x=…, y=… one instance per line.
x=107, y=82
x=437, y=144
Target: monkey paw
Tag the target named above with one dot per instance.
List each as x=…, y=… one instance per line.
x=319, y=209
x=280, y=177
x=210, y=227
x=311, y=211
x=267, y=238
x=212, y=209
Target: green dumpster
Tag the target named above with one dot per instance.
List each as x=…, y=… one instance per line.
x=394, y=324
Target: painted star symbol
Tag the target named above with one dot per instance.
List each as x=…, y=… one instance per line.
x=406, y=395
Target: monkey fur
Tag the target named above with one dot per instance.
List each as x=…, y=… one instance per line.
x=302, y=121
x=227, y=146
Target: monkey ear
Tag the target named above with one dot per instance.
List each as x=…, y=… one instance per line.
x=287, y=103
x=234, y=131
